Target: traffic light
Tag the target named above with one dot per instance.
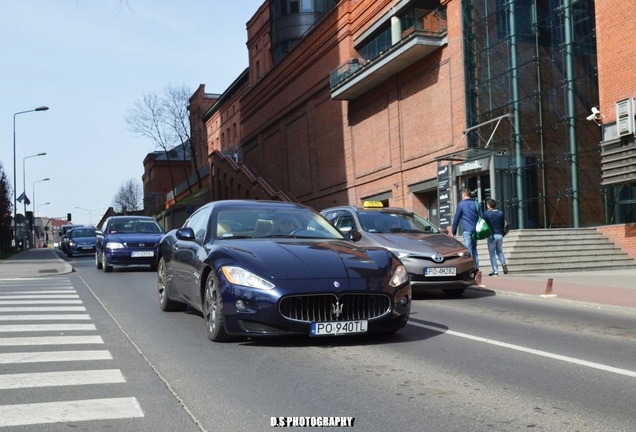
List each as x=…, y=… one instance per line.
x=68, y=217
x=29, y=217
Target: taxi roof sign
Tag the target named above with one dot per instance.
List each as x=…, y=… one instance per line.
x=372, y=204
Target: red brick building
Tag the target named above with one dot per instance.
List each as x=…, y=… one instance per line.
x=407, y=101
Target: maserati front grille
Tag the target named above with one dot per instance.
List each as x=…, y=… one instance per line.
x=330, y=307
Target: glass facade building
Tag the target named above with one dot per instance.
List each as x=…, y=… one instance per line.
x=535, y=60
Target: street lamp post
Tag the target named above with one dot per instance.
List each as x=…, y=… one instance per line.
x=15, y=197
x=24, y=180
x=37, y=181
x=90, y=213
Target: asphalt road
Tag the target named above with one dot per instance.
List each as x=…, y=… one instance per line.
x=481, y=362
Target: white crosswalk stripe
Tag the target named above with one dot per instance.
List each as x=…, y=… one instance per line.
x=44, y=327
x=69, y=411
x=45, y=317
x=44, y=309
x=49, y=308
x=50, y=340
x=54, y=356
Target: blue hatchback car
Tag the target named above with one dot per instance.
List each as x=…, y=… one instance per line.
x=81, y=240
x=127, y=240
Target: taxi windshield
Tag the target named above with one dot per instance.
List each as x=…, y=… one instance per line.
x=390, y=222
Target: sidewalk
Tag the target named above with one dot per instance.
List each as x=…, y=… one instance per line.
x=615, y=288
x=34, y=263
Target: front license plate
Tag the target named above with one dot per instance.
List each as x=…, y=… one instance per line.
x=440, y=271
x=138, y=254
x=338, y=328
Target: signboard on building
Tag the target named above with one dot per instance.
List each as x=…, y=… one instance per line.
x=444, y=195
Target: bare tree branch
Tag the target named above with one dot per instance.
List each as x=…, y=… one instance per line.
x=164, y=119
x=129, y=196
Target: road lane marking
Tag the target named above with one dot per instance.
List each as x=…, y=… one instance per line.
x=546, y=354
x=57, y=379
x=70, y=411
x=49, y=317
x=45, y=327
x=51, y=340
x=54, y=356
x=44, y=309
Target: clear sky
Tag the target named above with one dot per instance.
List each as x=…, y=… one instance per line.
x=89, y=61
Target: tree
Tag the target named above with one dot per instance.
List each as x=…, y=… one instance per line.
x=164, y=119
x=6, y=231
x=129, y=197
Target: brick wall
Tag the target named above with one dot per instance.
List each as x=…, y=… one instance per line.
x=624, y=236
x=615, y=34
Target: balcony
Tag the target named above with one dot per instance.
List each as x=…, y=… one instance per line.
x=356, y=79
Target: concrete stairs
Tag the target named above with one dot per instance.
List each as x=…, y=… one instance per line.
x=557, y=250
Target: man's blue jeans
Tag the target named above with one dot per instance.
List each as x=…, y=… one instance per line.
x=495, y=250
x=471, y=244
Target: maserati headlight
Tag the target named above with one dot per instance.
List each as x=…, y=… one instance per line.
x=114, y=245
x=400, y=276
x=239, y=276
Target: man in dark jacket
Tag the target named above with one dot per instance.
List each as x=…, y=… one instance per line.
x=467, y=212
x=496, y=220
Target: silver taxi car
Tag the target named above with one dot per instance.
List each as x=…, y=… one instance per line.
x=433, y=259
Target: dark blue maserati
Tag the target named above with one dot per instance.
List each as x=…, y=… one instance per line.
x=270, y=268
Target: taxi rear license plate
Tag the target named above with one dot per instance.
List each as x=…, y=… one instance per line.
x=440, y=271
x=338, y=328
x=137, y=254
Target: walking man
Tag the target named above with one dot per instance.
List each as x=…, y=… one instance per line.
x=495, y=218
x=467, y=212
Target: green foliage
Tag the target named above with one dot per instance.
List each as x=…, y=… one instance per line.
x=6, y=232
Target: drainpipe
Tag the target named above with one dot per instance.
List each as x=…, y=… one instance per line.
x=540, y=114
x=396, y=30
x=521, y=210
x=569, y=79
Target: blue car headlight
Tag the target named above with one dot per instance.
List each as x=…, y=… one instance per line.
x=239, y=276
x=400, y=276
x=114, y=245
x=71, y=243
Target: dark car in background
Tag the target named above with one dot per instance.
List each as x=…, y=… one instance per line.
x=433, y=259
x=127, y=240
x=261, y=268
x=80, y=240
x=65, y=231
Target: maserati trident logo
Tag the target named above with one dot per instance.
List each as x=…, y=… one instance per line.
x=336, y=309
